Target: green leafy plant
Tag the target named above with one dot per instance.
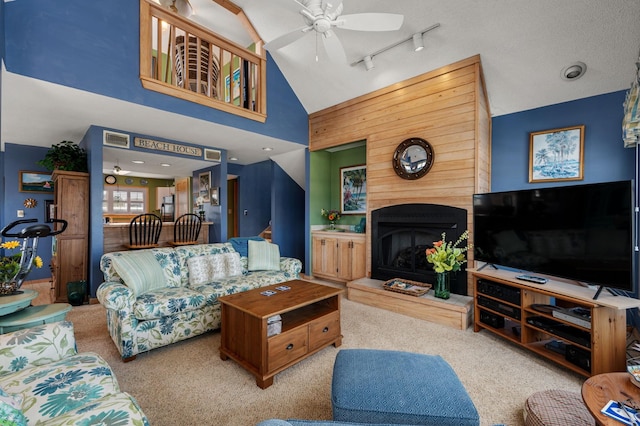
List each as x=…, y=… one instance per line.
x=447, y=256
x=10, y=265
x=66, y=155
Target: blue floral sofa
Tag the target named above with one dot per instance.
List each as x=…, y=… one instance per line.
x=44, y=381
x=156, y=297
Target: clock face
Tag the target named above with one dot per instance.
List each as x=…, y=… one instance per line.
x=30, y=203
x=110, y=179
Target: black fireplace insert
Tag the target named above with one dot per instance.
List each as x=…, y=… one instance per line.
x=401, y=234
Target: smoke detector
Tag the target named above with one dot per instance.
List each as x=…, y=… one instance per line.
x=574, y=71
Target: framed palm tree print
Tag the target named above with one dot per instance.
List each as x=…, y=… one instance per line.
x=353, y=191
x=556, y=155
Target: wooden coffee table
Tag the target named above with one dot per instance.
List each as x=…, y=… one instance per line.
x=310, y=322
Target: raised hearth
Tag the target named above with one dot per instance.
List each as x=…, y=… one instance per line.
x=456, y=312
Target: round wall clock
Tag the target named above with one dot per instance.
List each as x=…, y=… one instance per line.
x=110, y=179
x=30, y=203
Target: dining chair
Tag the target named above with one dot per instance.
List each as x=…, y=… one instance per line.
x=186, y=230
x=144, y=231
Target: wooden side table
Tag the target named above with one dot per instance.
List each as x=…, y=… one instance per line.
x=598, y=390
x=34, y=315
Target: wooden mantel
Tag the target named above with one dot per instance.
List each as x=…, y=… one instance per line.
x=448, y=107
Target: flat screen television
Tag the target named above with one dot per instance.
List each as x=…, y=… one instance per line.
x=582, y=232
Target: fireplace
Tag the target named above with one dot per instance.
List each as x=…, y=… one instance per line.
x=400, y=235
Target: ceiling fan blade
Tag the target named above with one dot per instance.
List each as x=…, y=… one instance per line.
x=370, y=22
x=287, y=38
x=333, y=47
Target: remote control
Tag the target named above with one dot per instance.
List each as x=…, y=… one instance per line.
x=533, y=279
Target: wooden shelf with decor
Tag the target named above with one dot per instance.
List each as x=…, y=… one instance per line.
x=70, y=258
x=537, y=318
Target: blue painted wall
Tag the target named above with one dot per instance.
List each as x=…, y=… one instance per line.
x=254, y=188
x=94, y=46
x=288, y=211
x=23, y=157
x=605, y=159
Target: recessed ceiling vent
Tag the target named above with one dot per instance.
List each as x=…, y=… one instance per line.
x=119, y=140
x=212, y=155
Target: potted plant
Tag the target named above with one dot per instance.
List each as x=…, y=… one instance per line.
x=66, y=155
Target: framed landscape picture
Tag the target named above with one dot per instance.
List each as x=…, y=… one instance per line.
x=204, y=186
x=556, y=155
x=35, y=182
x=353, y=191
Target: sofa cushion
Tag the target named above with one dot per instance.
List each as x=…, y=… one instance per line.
x=170, y=264
x=114, y=409
x=186, y=252
x=241, y=244
x=62, y=386
x=167, y=301
x=139, y=270
x=263, y=256
x=19, y=351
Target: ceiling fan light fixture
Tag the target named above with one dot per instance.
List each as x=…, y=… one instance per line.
x=574, y=71
x=368, y=62
x=418, y=44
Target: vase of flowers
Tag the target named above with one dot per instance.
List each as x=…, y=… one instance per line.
x=446, y=257
x=10, y=267
x=332, y=216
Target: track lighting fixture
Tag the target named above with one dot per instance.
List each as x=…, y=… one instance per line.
x=418, y=45
x=368, y=63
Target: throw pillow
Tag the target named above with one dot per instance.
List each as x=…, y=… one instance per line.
x=140, y=271
x=10, y=409
x=263, y=256
x=208, y=268
x=233, y=264
x=240, y=244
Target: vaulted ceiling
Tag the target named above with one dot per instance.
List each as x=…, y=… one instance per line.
x=524, y=47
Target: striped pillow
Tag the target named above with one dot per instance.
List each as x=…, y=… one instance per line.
x=263, y=256
x=140, y=271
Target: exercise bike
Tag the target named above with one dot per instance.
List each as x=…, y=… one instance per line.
x=30, y=236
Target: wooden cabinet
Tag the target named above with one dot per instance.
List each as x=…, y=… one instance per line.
x=338, y=256
x=69, y=261
x=557, y=320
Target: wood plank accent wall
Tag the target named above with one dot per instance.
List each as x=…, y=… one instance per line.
x=448, y=107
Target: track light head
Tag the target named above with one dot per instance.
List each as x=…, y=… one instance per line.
x=368, y=62
x=418, y=44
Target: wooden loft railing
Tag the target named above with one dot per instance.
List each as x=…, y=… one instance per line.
x=182, y=59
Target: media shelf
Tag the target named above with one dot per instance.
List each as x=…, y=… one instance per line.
x=557, y=320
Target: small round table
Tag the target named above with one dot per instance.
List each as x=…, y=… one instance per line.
x=15, y=302
x=598, y=390
x=34, y=315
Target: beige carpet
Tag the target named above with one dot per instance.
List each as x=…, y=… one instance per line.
x=188, y=384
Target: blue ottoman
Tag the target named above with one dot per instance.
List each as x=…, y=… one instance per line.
x=377, y=386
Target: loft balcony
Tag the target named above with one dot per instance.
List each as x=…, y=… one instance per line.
x=183, y=59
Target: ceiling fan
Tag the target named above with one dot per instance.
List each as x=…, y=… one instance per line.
x=322, y=17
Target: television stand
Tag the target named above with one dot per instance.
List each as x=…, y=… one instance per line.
x=541, y=318
x=600, y=290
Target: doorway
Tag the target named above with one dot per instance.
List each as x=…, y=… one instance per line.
x=232, y=208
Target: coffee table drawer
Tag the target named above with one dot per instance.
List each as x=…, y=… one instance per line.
x=287, y=347
x=324, y=330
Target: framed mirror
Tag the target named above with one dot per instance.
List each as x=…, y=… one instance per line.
x=413, y=158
